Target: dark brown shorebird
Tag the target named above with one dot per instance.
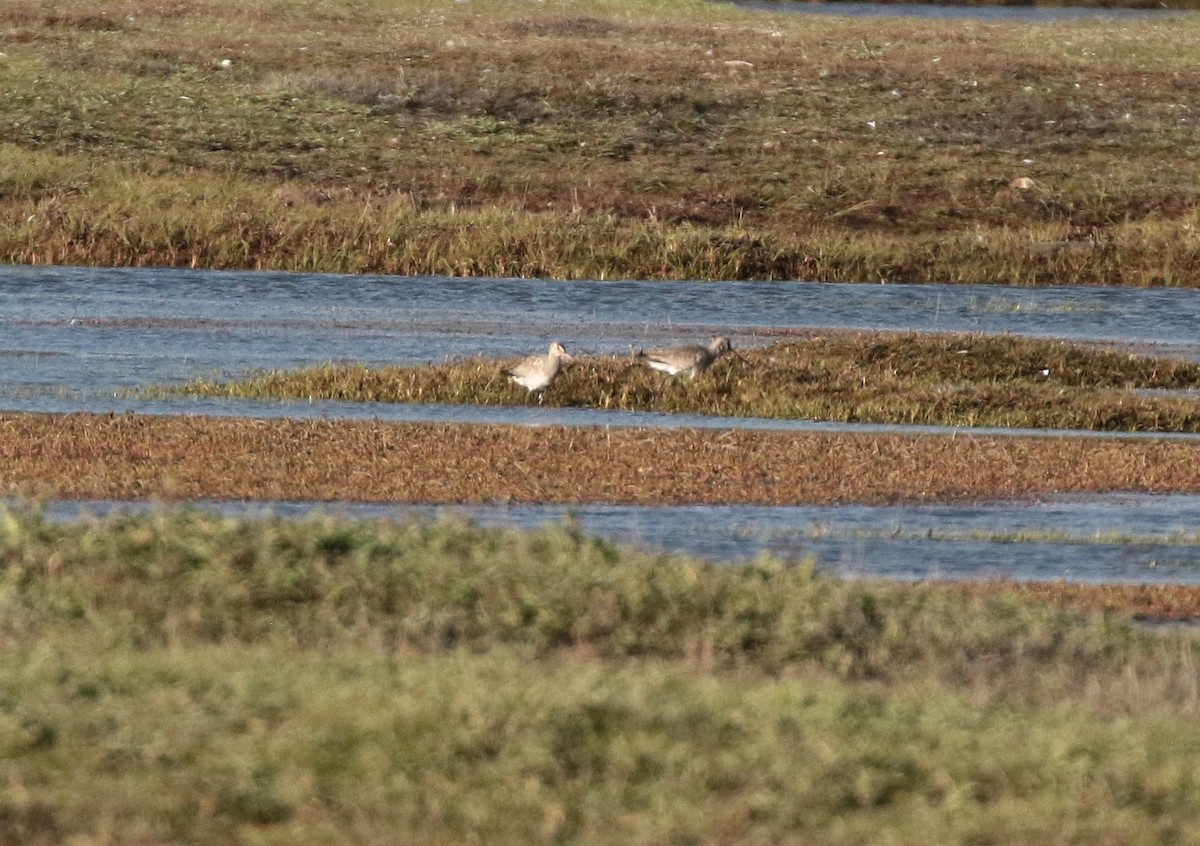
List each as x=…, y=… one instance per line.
x=690, y=360
x=538, y=371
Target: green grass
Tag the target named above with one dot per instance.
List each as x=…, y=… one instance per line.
x=960, y=380
x=180, y=677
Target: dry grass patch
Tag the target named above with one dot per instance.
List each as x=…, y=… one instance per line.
x=1158, y=602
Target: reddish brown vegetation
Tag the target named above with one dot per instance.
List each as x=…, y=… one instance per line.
x=1148, y=602
x=128, y=457
x=132, y=457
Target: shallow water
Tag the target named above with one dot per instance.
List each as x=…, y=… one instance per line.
x=1133, y=539
x=74, y=339
x=535, y=415
x=1007, y=14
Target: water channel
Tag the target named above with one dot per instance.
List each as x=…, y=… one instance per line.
x=74, y=339
x=1026, y=14
x=1118, y=538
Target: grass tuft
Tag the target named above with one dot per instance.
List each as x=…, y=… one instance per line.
x=953, y=380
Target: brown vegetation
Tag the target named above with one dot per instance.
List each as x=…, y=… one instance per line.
x=134, y=457
x=1157, y=602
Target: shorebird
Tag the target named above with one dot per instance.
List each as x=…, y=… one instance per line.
x=538, y=371
x=691, y=360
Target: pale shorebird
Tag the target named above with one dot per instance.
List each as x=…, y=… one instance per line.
x=691, y=360
x=538, y=371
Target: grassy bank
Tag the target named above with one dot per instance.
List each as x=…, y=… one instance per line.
x=600, y=140
x=940, y=379
x=179, y=677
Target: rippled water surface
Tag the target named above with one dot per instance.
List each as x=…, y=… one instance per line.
x=75, y=339
x=77, y=336
x=998, y=13
x=1142, y=539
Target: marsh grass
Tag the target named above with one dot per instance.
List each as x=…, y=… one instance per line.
x=179, y=676
x=664, y=140
x=957, y=380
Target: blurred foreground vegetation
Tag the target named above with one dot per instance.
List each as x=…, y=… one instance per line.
x=178, y=676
